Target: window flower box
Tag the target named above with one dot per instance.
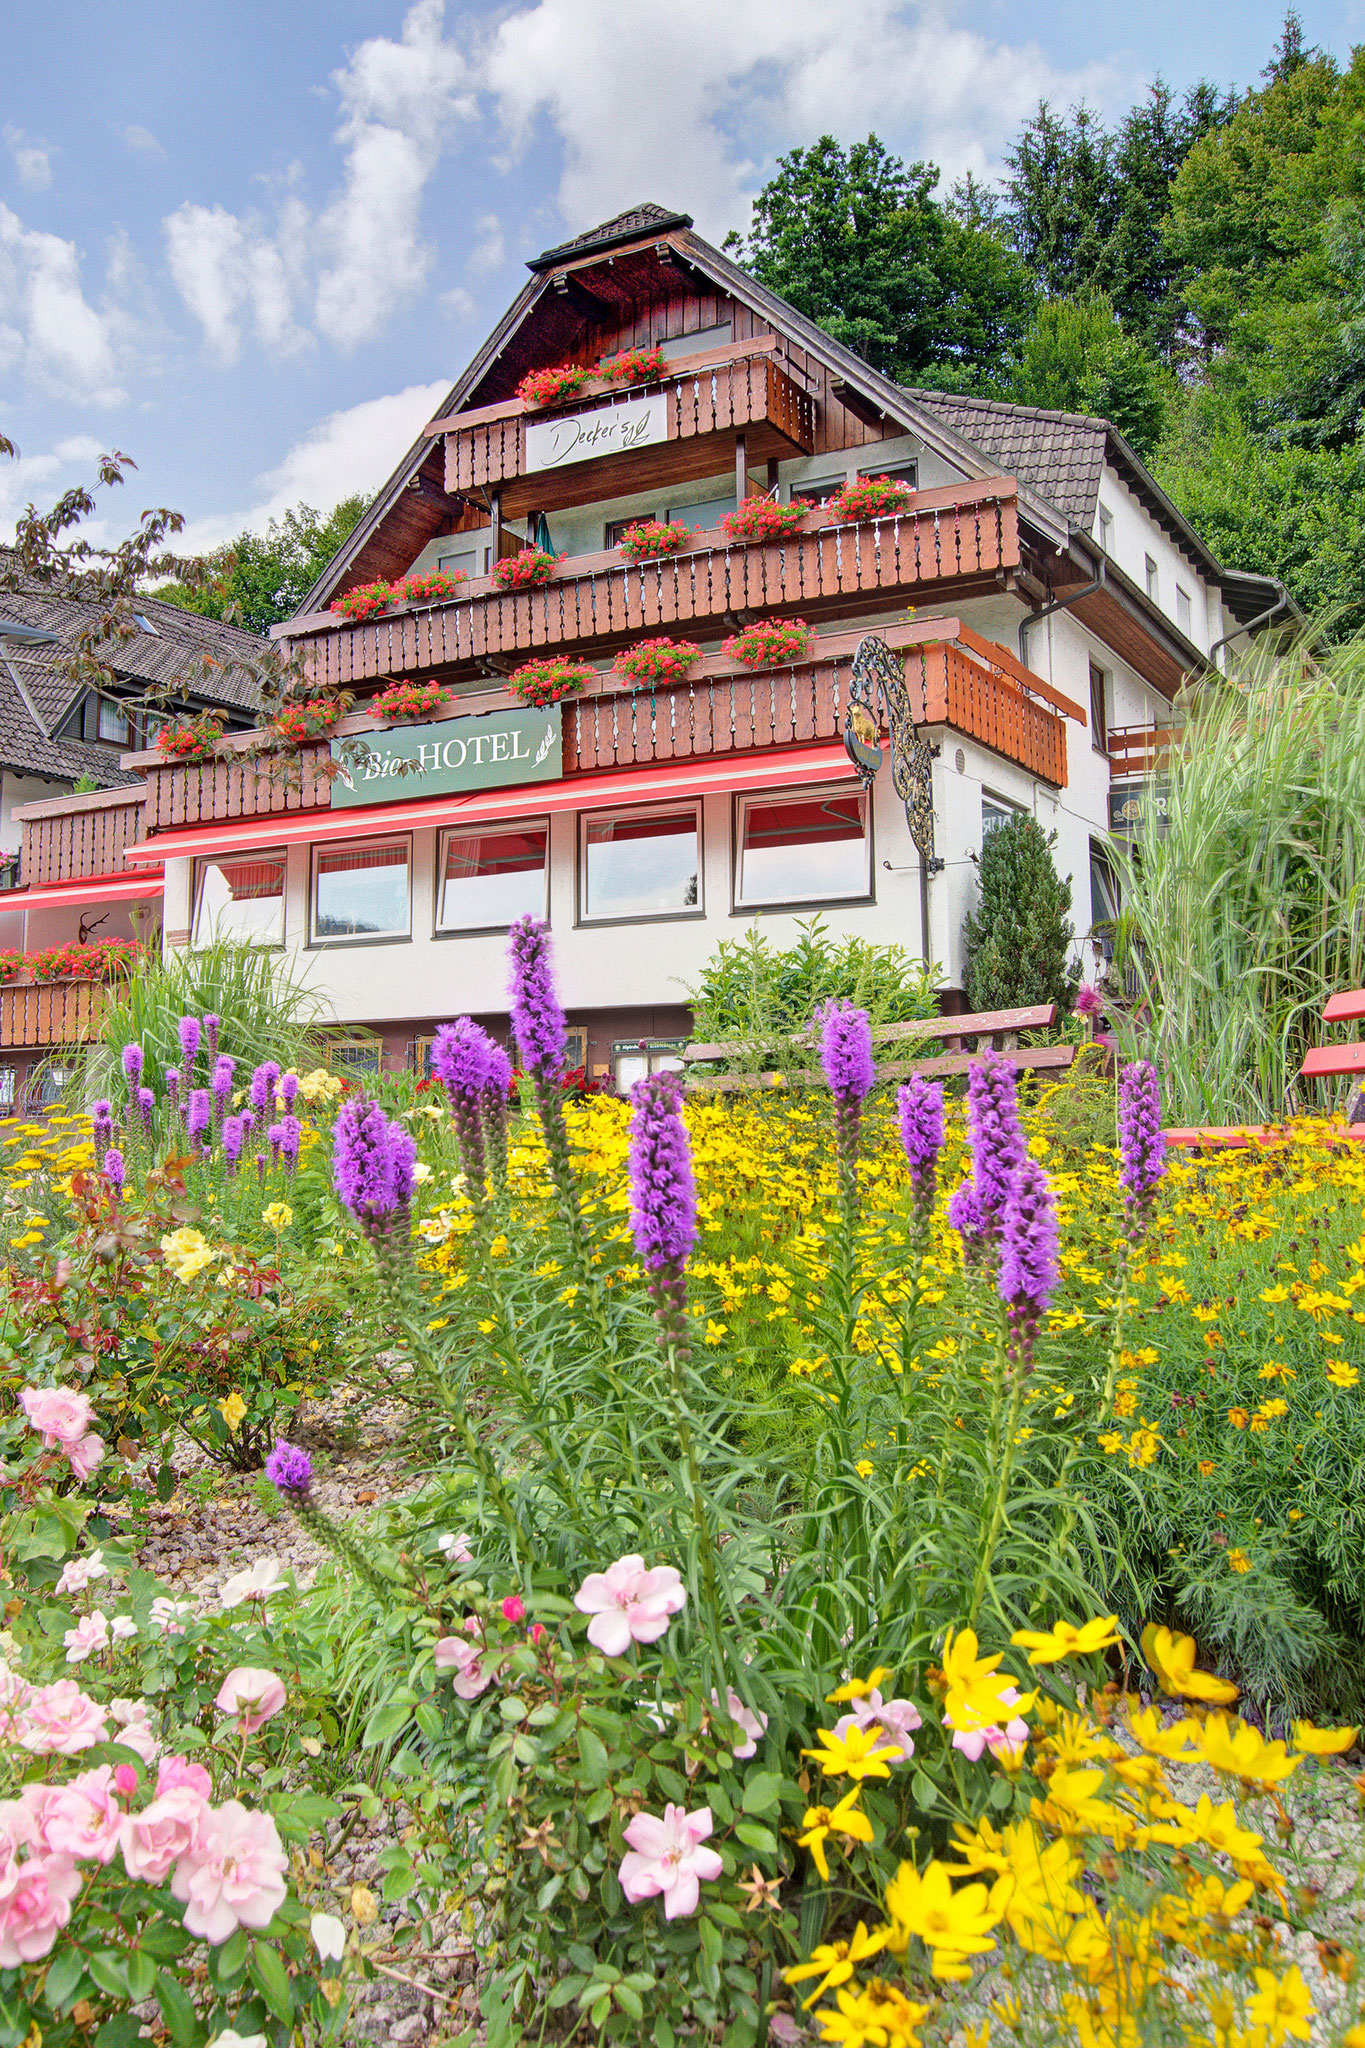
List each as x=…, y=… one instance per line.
x=552, y=387
x=656, y=661
x=314, y=718
x=434, y=586
x=192, y=739
x=546, y=681
x=649, y=540
x=405, y=702
x=769, y=642
x=525, y=571
x=764, y=519
x=633, y=366
x=97, y=960
x=872, y=497
x=367, y=600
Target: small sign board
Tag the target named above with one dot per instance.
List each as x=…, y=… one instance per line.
x=583, y=436
x=1128, y=802
x=498, y=749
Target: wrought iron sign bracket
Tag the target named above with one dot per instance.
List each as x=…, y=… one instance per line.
x=878, y=687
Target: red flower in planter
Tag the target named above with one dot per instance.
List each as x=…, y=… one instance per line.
x=546, y=681
x=99, y=960
x=192, y=739
x=551, y=387
x=764, y=519
x=434, y=586
x=524, y=571
x=405, y=701
x=650, y=539
x=872, y=497
x=313, y=719
x=367, y=600
x=656, y=661
x=768, y=642
x=633, y=366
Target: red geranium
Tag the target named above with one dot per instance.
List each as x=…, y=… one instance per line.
x=405, y=701
x=433, y=586
x=768, y=642
x=656, y=661
x=650, y=539
x=524, y=571
x=872, y=497
x=97, y=960
x=550, y=387
x=367, y=600
x=192, y=739
x=763, y=519
x=633, y=366
x=312, y=719
x=546, y=681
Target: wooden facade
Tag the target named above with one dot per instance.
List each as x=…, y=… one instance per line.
x=44, y=1014
x=86, y=840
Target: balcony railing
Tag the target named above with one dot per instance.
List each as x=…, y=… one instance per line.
x=953, y=539
x=48, y=1013
x=747, y=393
x=69, y=845
x=1141, y=749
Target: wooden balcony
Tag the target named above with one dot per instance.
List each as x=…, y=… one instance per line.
x=48, y=1013
x=1140, y=749
x=76, y=837
x=739, y=390
x=957, y=541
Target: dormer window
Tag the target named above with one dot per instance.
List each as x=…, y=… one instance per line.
x=112, y=726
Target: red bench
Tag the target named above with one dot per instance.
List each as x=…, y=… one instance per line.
x=1325, y=1062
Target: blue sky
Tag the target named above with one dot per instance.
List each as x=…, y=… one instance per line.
x=252, y=244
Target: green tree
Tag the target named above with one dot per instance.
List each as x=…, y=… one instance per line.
x=856, y=241
x=1063, y=199
x=261, y=578
x=1018, y=938
x=1077, y=358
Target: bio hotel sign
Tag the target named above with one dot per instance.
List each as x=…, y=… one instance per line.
x=554, y=443
x=505, y=748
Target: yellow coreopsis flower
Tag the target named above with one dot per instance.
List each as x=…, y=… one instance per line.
x=858, y=1753
x=1065, y=1639
x=1322, y=1741
x=859, y=1688
x=1172, y=1656
x=847, y=1818
x=1240, y=1751
x=875, y=2013
x=1282, y=2005
x=954, y=1925
x=278, y=1216
x=833, y=1962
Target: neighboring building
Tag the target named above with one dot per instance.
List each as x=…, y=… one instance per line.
x=1047, y=600
x=60, y=874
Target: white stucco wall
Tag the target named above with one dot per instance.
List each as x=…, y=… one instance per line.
x=14, y=791
x=1136, y=535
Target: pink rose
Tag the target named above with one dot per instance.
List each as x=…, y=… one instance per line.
x=62, y=1417
x=629, y=1604
x=18, y=1829
x=472, y=1675
x=172, y=1826
x=513, y=1609
x=754, y=1726
x=79, y=1572
x=14, y=1691
x=665, y=1858
x=35, y=1902
x=59, y=1720
x=79, y=1819
x=85, y=1455
x=252, y=1695
x=178, y=1770
x=134, y=1730
x=91, y=1633
x=234, y=1877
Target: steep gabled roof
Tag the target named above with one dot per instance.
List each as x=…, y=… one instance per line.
x=1059, y=454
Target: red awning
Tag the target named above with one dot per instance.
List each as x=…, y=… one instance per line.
x=99, y=889
x=789, y=769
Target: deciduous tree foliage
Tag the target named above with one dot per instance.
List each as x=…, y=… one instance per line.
x=261, y=578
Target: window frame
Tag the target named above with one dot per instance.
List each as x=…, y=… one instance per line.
x=323, y=847
x=119, y=708
x=1004, y=804
x=906, y=472
x=1152, y=572
x=263, y=853
x=612, y=529
x=742, y=800
x=664, y=807
x=355, y=1041
x=1099, y=729
x=443, y=838
x=1184, y=599
x=1104, y=519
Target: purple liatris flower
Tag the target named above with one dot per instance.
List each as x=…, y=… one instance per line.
x=146, y=1107
x=1142, y=1143
x=189, y=1041
x=920, y=1103
x=1028, y=1254
x=199, y=1115
x=537, y=1019
x=261, y=1164
x=499, y=1068
x=846, y=1050
x=663, y=1193
x=372, y=1162
x=173, y=1085
x=212, y=1026
x=289, y=1468
x=132, y=1063
x=113, y=1168
x=494, y=1111
x=275, y=1134
x=997, y=1140
x=966, y=1217
x=102, y=1123
x=291, y=1133
x=233, y=1133
x=289, y=1088
x=224, y=1071
x=263, y=1085
x=461, y=1058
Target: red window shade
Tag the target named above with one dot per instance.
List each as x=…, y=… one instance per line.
x=650, y=826
x=351, y=860
x=495, y=853
x=252, y=881
x=814, y=822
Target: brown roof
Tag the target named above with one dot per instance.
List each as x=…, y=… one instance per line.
x=1059, y=454
x=622, y=227
x=27, y=749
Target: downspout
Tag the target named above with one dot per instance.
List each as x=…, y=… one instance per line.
x=1261, y=619
x=1060, y=605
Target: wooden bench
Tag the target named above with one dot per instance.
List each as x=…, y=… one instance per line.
x=1325, y=1062
x=1000, y=1027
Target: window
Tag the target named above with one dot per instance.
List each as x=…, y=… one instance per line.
x=614, y=528
x=705, y=515
x=1153, y=581
x=113, y=722
x=899, y=472
x=995, y=810
x=1182, y=609
x=817, y=493
x=807, y=848
x=354, y=1056
x=1104, y=902
x=241, y=899
x=640, y=863
x=1099, y=720
x=361, y=892
x=492, y=877
x=8, y=1087
x=466, y=561
x=1106, y=530
x=52, y=1079
x=144, y=625
x=694, y=344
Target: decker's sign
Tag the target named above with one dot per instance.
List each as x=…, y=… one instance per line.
x=503, y=748
x=581, y=436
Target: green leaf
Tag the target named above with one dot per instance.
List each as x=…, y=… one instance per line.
x=165, y=1487
x=567, y=1988
x=110, y=1972
x=592, y=1753
x=923, y=1790
x=712, y=1941
x=64, y=1974
x=599, y=1806
x=271, y=1979
x=761, y=1792
x=1000, y=1795
x=385, y=1722
x=629, y=2001
x=122, y=2030
x=755, y=1837
x=141, y=1974
x=177, y=2009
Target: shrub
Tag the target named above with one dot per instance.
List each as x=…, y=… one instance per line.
x=367, y=600
x=192, y=739
x=650, y=539
x=656, y=661
x=525, y=570
x=545, y=682
x=872, y=497
x=633, y=366
x=552, y=387
x=1018, y=938
x=764, y=519
x=434, y=586
x=768, y=642
x=404, y=702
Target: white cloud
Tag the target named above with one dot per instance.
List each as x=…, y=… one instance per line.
x=41, y=479
x=354, y=450
x=679, y=114
x=49, y=329
x=32, y=160
x=142, y=142
x=228, y=270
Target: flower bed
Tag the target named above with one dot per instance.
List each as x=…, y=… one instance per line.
x=404, y=702
x=651, y=539
x=872, y=497
x=524, y=571
x=192, y=739
x=764, y=519
x=97, y=960
x=633, y=366
x=546, y=681
x=768, y=642
x=552, y=387
x=367, y=600
x=313, y=718
x=656, y=661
